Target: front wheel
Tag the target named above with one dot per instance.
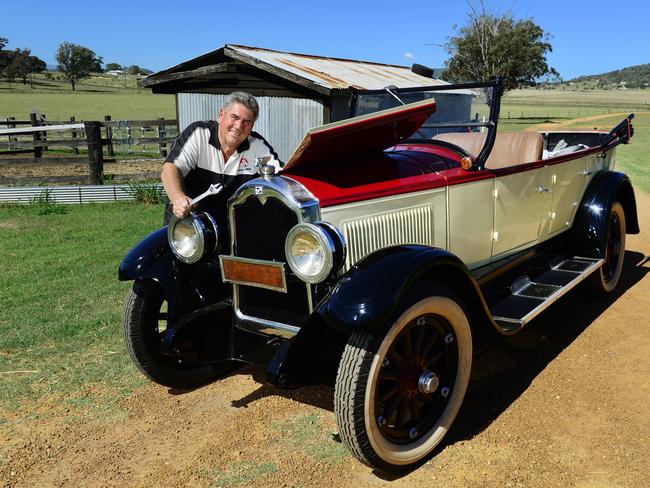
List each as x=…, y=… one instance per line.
x=143, y=325
x=396, y=396
x=607, y=277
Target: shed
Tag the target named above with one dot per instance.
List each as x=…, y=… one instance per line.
x=295, y=91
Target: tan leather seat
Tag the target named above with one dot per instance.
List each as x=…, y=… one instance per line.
x=510, y=148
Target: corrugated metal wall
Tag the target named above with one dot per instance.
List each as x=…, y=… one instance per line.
x=282, y=121
x=68, y=194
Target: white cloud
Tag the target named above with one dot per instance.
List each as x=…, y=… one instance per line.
x=409, y=55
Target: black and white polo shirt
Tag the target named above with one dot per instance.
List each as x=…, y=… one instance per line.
x=197, y=154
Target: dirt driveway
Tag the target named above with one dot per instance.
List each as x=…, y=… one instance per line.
x=564, y=403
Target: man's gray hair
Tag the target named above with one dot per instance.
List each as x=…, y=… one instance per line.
x=246, y=99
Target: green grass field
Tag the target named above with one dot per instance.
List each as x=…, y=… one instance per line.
x=93, y=98
x=60, y=339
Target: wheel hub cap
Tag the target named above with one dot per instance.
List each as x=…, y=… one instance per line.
x=428, y=382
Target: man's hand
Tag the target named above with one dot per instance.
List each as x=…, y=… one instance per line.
x=182, y=206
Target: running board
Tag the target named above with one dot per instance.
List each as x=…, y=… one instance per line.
x=529, y=298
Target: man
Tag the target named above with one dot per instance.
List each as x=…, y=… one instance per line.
x=215, y=152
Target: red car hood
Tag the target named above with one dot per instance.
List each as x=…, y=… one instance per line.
x=360, y=135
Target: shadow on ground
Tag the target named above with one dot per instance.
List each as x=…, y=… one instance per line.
x=505, y=368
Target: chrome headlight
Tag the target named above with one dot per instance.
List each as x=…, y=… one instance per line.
x=193, y=237
x=314, y=250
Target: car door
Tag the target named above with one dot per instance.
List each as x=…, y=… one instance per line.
x=519, y=197
x=566, y=182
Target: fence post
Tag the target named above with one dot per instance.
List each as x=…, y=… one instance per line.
x=162, y=147
x=11, y=126
x=95, y=156
x=75, y=149
x=109, y=135
x=44, y=134
x=38, y=151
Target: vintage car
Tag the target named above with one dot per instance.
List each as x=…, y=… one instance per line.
x=376, y=259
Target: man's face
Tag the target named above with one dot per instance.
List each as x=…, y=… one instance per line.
x=235, y=125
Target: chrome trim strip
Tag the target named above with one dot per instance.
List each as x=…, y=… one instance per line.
x=255, y=324
x=273, y=264
x=597, y=263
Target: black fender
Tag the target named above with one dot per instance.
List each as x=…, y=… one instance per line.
x=590, y=226
x=151, y=259
x=187, y=290
x=367, y=295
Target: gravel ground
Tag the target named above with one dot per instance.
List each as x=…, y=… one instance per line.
x=563, y=403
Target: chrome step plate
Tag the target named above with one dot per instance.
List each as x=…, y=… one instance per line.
x=537, y=296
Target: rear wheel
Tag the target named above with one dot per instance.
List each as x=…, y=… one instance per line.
x=607, y=277
x=143, y=324
x=396, y=396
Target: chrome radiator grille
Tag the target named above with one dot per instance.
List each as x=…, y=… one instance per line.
x=367, y=234
x=260, y=231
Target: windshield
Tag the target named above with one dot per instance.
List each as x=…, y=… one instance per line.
x=457, y=109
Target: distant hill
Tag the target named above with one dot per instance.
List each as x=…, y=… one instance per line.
x=630, y=77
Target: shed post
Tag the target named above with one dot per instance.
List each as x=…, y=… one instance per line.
x=95, y=156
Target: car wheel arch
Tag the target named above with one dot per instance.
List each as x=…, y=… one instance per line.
x=590, y=224
x=418, y=263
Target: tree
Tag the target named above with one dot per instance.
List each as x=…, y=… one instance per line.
x=9, y=64
x=24, y=65
x=77, y=62
x=498, y=45
x=113, y=66
x=134, y=69
x=5, y=58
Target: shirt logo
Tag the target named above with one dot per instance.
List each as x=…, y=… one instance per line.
x=244, y=166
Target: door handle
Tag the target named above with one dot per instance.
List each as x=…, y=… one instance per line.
x=541, y=189
x=586, y=172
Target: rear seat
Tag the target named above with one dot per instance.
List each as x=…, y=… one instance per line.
x=510, y=148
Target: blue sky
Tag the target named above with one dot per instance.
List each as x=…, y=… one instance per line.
x=588, y=37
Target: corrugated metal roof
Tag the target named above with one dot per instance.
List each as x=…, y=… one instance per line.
x=325, y=72
x=338, y=73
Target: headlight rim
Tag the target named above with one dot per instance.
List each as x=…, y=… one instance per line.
x=332, y=253
x=201, y=230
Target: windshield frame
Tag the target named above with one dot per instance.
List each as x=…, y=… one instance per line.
x=478, y=162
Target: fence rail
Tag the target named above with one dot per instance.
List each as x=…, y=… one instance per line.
x=34, y=134
x=100, y=138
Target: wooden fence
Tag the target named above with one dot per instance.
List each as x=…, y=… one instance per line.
x=99, y=138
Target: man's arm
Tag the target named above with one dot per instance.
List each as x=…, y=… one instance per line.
x=172, y=181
